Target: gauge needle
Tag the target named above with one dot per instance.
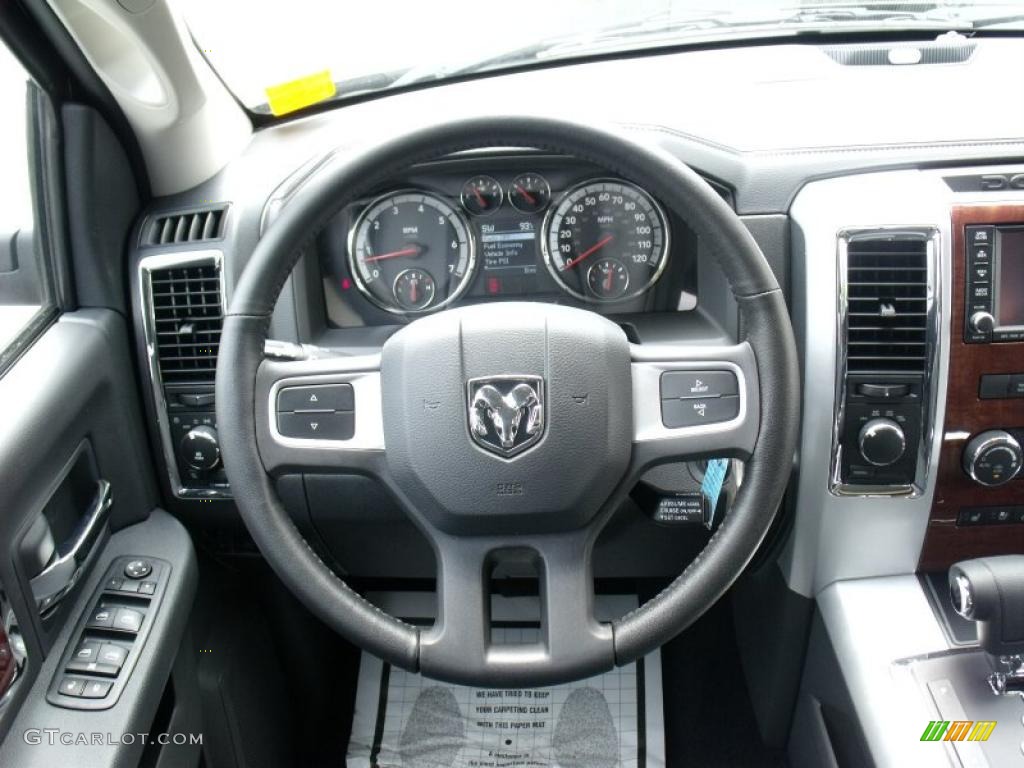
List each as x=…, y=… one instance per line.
x=411, y=251
x=608, y=281
x=479, y=198
x=590, y=251
x=414, y=293
x=529, y=198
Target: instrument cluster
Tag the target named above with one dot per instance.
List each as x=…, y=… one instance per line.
x=517, y=232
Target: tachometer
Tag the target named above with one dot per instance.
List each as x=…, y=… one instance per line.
x=606, y=240
x=411, y=252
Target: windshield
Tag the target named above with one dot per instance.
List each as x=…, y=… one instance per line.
x=366, y=46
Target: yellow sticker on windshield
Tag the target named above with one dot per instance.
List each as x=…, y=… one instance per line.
x=294, y=95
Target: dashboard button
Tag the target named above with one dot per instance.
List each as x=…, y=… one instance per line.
x=690, y=384
x=994, y=386
x=978, y=235
x=324, y=397
x=1016, y=388
x=694, y=412
x=317, y=426
x=102, y=617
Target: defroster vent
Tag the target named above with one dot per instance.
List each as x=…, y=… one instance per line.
x=187, y=314
x=186, y=227
x=887, y=304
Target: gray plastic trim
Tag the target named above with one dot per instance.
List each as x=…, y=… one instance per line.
x=147, y=266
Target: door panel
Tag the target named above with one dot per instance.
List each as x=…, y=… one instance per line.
x=70, y=432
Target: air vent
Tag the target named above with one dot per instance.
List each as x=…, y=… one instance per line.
x=187, y=316
x=887, y=304
x=883, y=55
x=186, y=227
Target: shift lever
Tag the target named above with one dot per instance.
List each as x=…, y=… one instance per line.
x=990, y=591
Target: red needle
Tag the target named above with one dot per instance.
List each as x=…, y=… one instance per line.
x=608, y=281
x=529, y=198
x=479, y=198
x=590, y=251
x=411, y=251
x=413, y=293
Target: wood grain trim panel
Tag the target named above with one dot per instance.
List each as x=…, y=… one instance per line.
x=967, y=414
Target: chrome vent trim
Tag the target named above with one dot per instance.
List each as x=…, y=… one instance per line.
x=856, y=239
x=188, y=314
x=148, y=268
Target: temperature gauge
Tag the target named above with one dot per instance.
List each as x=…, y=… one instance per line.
x=482, y=195
x=608, y=278
x=414, y=289
x=529, y=193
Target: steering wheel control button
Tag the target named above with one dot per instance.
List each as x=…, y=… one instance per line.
x=127, y=620
x=138, y=569
x=700, y=384
x=694, y=412
x=323, y=397
x=330, y=425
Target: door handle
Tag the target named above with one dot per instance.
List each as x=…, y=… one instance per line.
x=61, y=574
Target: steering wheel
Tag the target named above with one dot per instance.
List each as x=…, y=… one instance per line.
x=590, y=415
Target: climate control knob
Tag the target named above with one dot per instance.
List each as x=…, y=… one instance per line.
x=993, y=458
x=200, y=448
x=882, y=442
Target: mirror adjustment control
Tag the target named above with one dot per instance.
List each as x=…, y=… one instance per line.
x=138, y=569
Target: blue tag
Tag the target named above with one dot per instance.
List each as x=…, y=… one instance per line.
x=711, y=486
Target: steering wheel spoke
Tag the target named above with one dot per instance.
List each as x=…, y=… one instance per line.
x=693, y=402
x=571, y=643
x=320, y=414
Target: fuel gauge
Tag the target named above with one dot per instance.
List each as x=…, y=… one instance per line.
x=608, y=278
x=482, y=195
x=414, y=289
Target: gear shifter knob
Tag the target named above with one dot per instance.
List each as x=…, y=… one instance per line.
x=990, y=591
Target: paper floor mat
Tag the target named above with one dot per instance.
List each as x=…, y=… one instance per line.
x=404, y=720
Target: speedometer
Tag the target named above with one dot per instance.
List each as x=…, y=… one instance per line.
x=411, y=252
x=606, y=240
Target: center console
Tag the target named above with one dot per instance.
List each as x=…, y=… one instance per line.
x=978, y=508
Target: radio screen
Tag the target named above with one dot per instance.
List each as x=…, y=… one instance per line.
x=1010, y=277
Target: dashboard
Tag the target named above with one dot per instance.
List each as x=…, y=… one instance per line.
x=494, y=228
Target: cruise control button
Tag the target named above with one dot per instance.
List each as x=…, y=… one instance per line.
x=72, y=686
x=696, y=411
x=686, y=384
x=322, y=397
x=96, y=689
x=317, y=426
x=127, y=619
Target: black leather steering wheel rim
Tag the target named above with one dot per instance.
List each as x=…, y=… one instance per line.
x=763, y=317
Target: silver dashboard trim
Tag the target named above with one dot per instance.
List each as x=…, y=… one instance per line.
x=147, y=266
x=933, y=322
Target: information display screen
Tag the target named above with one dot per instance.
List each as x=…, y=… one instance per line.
x=509, y=247
x=1009, y=286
